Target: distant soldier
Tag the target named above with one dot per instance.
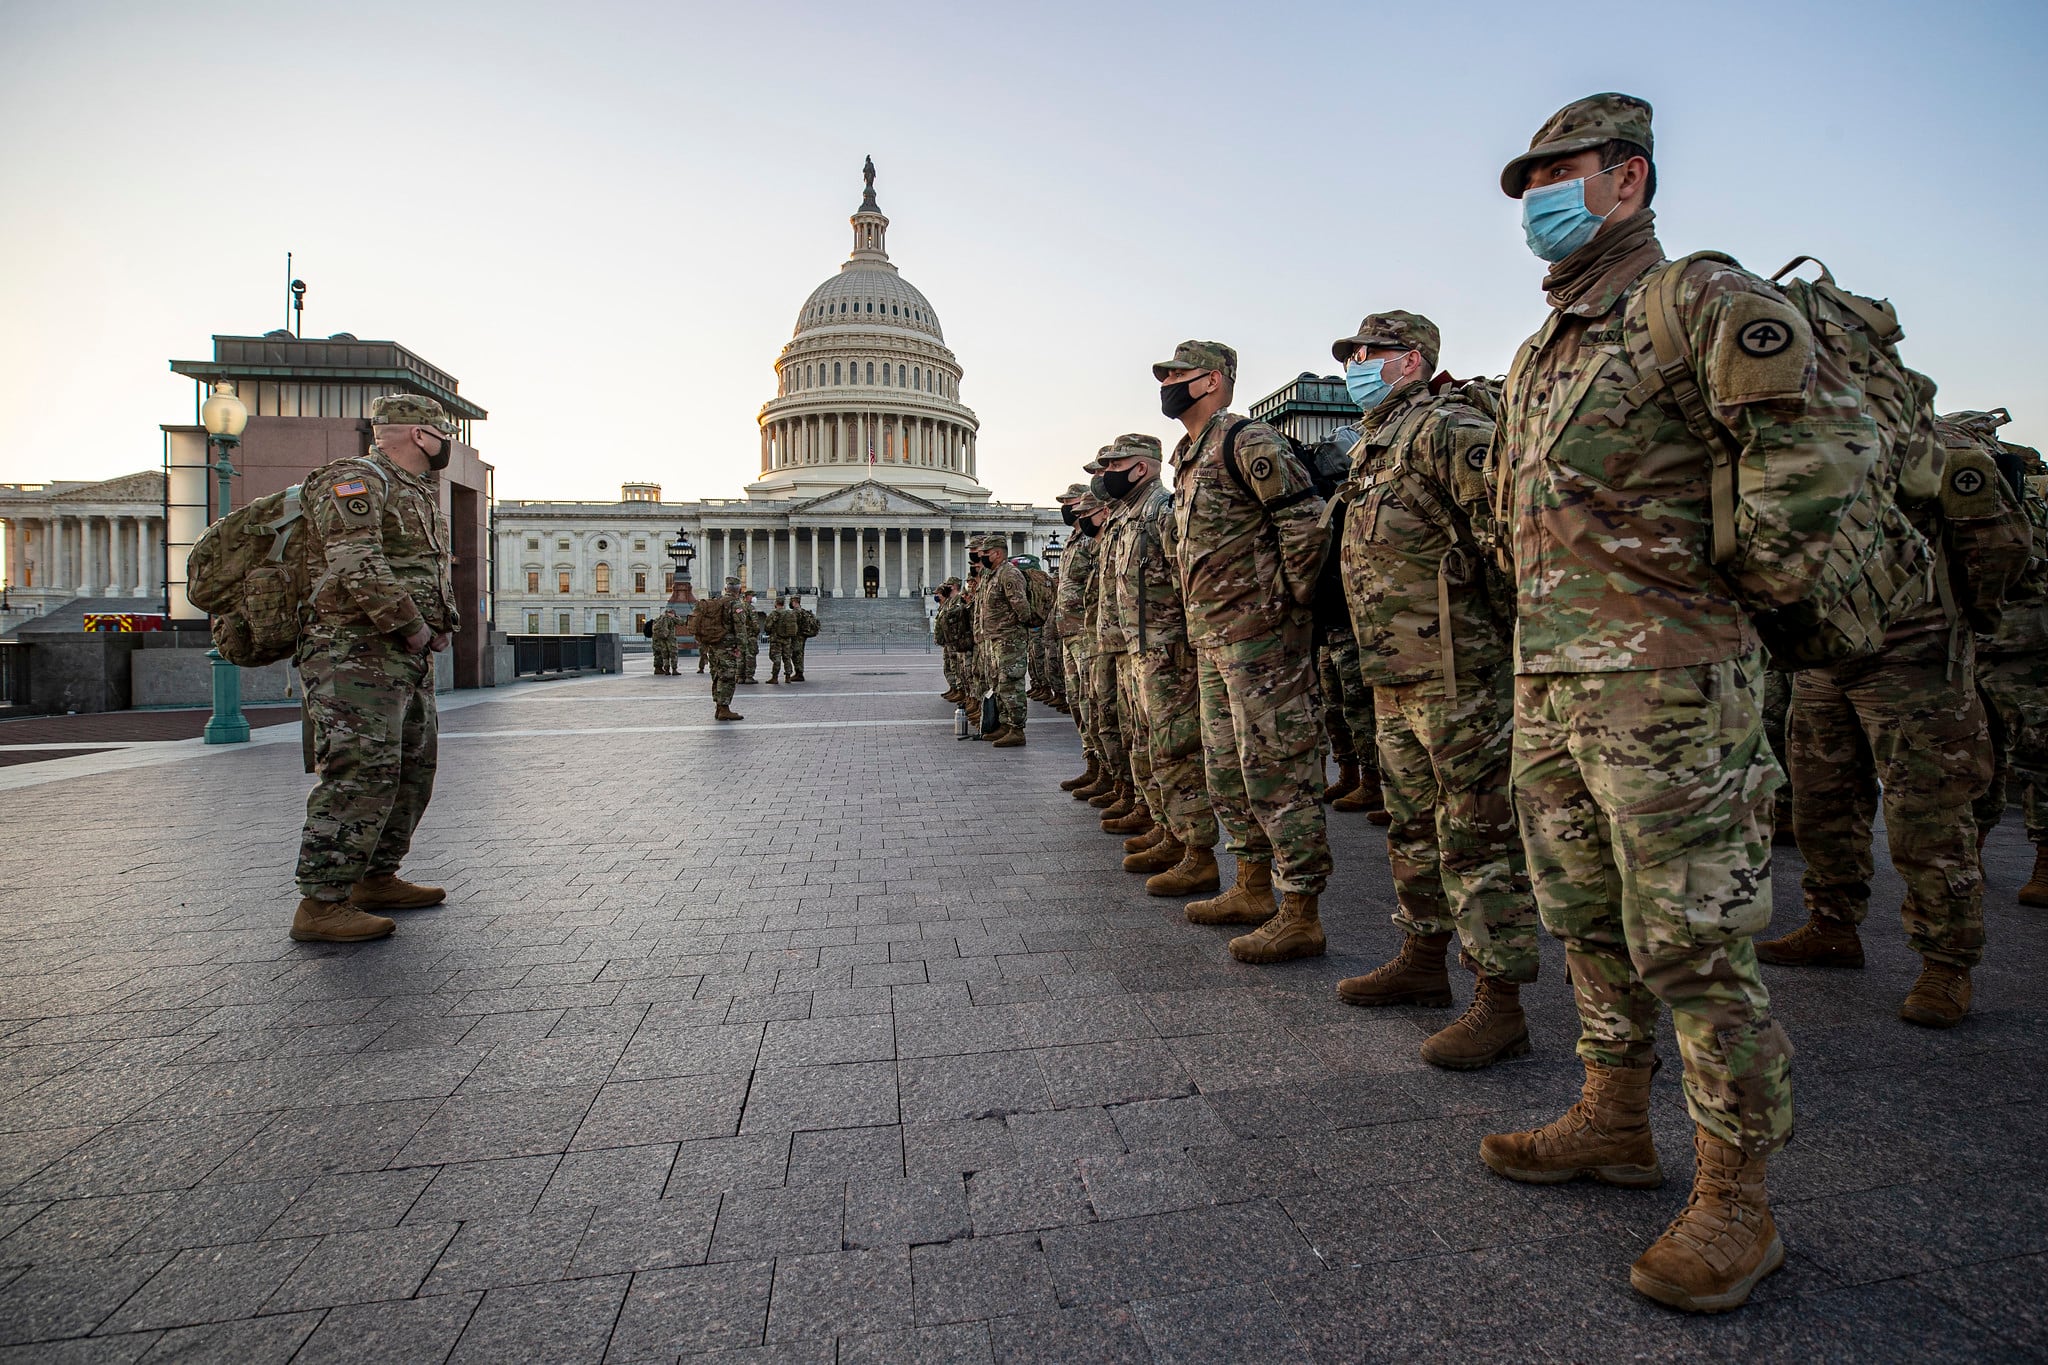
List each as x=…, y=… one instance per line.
x=383, y=606
x=750, y=640
x=1001, y=624
x=781, y=635
x=1348, y=719
x=806, y=631
x=1251, y=547
x=2012, y=672
x=1112, y=791
x=949, y=657
x=662, y=631
x=720, y=625
x=1076, y=574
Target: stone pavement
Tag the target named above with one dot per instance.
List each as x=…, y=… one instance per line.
x=823, y=1037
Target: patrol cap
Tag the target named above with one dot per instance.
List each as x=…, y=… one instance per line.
x=1074, y=490
x=1094, y=466
x=731, y=581
x=954, y=581
x=410, y=409
x=1198, y=355
x=1134, y=445
x=1086, y=504
x=1409, y=331
x=1578, y=127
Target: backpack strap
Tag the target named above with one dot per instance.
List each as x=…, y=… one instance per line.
x=1452, y=569
x=281, y=530
x=1675, y=376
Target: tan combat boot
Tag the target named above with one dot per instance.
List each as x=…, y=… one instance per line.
x=1940, y=996
x=1136, y=821
x=1094, y=771
x=2035, y=892
x=1297, y=931
x=1415, y=976
x=1366, y=796
x=318, y=921
x=727, y=713
x=1248, y=901
x=1157, y=858
x=1494, y=1028
x=1820, y=942
x=1605, y=1135
x=1196, y=872
x=1010, y=739
x=386, y=892
x=1722, y=1243
x=1138, y=843
x=1347, y=780
x=1125, y=801
x=1103, y=782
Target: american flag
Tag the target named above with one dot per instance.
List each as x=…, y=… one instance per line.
x=871, y=449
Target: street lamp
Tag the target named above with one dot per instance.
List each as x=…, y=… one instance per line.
x=225, y=418
x=682, y=552
x=1053, y=551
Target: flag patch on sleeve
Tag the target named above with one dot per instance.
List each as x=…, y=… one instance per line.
x=354, y=488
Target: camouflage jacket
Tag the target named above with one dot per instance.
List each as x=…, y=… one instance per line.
x=782, y=624
x=1417, y=493
x=1001, y=604
x=1248, y=562
x=806, y=619
x=1140, y=574
x=662, y=629
x=2023, y=626
x=1076, y=582
x=1602, y=490
x=384, y=545
x=956, y=622
x=758, y=620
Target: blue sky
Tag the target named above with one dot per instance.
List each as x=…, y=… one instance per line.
x=603, y=217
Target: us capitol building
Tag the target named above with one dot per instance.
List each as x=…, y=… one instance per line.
x=868, y=482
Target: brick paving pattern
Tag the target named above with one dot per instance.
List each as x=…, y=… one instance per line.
x=823, y=1037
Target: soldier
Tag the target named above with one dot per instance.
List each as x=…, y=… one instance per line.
x=941, y=633
x=806, y=623
x=1111, y=791
x=1908, y=720
x=382, y=606
x=2012, y=672
x=1640, y=768
x=662, y=630
x=1076, y=578
x=1000, y=614
x=1251, y=545
x=724, y=620
x=969, y=647
x=1140, y=575
x=781, y=631
x=1434, y=651
x=1348, y=718
x=1130, y=811
x=750, y=640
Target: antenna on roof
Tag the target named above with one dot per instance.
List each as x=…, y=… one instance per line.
x=287, y=289
x=299, y=307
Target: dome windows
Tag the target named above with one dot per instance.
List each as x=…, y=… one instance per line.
x=835, y=372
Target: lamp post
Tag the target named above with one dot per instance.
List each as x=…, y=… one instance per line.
x=680, y=553
x=225, y=418
x=1053, y=551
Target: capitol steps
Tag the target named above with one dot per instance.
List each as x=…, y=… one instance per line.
x=854, y=621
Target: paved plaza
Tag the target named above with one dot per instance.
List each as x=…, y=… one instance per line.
x=824, y=1037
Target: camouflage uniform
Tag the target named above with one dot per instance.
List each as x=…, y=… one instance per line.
x=749, y=641
x=379, y=532
x=1161, y=699
x=2012, y=669
x=1077, y=645
x=1347, y=701
x=999, y=629
x=805, y=623
x=1641, y=771
x=781, y=630
x=1096, y=670
x=724, y=657
x=1249, y=556
x=662, y=631
x=1434, y=652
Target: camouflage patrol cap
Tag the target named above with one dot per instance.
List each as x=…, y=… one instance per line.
x=731, y=581
x=1578, y=127
x=1134, y=445
x=1094, y=466
x=1086, y=504
x=1409, y=331
x=410, y=409
x=1074, y=490
x=954, y=581
x=1198, y=355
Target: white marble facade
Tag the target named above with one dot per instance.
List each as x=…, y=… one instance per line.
x=70, y=539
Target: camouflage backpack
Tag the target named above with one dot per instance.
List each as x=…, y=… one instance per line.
x=1878, y=567
x=708, y=621
x=807, y=626
x=1038, y=591
x=1980, y=522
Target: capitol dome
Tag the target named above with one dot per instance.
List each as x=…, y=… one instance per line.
x=866, y=387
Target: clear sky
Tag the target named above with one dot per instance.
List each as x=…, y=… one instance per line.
x=602, y=217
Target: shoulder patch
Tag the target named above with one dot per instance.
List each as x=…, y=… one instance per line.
x=1762, y=353
x=1969, y=487
x=354, y=488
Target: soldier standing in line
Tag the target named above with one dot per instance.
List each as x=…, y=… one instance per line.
x=1640, y=770
x=1131, y=814
x=1435, y=652
x=1908, y=721
x=382, y=607
x=781, y=630
x=949, y=657
x=662, y=631
x=1348, y=719
x=1098, y=676
x=2012, y=667
x=720, y=625
x=1000, y=613
x=1140, y=574
x=1251, y=546
x=1077, y=578
x=806, y=629
x=750, y=640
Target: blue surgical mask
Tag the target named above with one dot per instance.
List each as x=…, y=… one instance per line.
x=1366, y=381
x=1556, y=221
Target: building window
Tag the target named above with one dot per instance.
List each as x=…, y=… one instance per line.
x=871, y=372
x=604, y=545
x=639, y=580
x=639, y=621
x=604, y=623
x=533, y=580
x=602, y=575
x=533, y=623
x=885, y=374
x=562, y=544
x=639, y=543
x=561, y=580
x=668, y=581
x=561, y=623
x=533, y=542
x=835, y=372
x=899, y=376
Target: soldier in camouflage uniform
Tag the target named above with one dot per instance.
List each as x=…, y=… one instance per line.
x=749, y=641
x=662, y=631
x=1348, y=720
x=725, y=656
x=1131, y=811
x=1251, y=544
x=1434, y=651
x=2012, y=668
x=804, y=624
x=781, y=630
x=1140, y=581
x=1641, y=772
x=1777, y=710
x=949, y=660
x=383, y=604
x=1908, y=720
x=1000, y=610
x=1112, y=791
x=1075, y=576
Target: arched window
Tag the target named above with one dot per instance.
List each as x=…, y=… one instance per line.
x=871, y=372
x=885, y=374
x=602, y=576
x=899, y=376
x=835, y=372
x=842, y=305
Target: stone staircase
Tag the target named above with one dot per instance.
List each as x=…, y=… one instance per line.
x=854, y=622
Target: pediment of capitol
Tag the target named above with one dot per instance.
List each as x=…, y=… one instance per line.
x=866, y=499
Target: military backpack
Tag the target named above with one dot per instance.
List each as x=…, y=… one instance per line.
x=1038, y=593
x=1979, y=521
x=807, y=625
x=708, y=622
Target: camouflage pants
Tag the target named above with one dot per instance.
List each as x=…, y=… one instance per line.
x=1348, y=716
x=1004, y=660
x=1137, y=742
x=1262, y=754
x=2015, y=695
x=375, y=731
x=1455, y=851
x=664, y=657
x=703, y=657
x=749, y=657
x=796, y=653
x=778, y=658
x=1034, y=660
x=725, y=670
x=1642, y=798
x=1777, y=720
x=949, y=659
x=1900, y=721
x=1165, y=695
x=1105, y=713
x=1077, y=691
